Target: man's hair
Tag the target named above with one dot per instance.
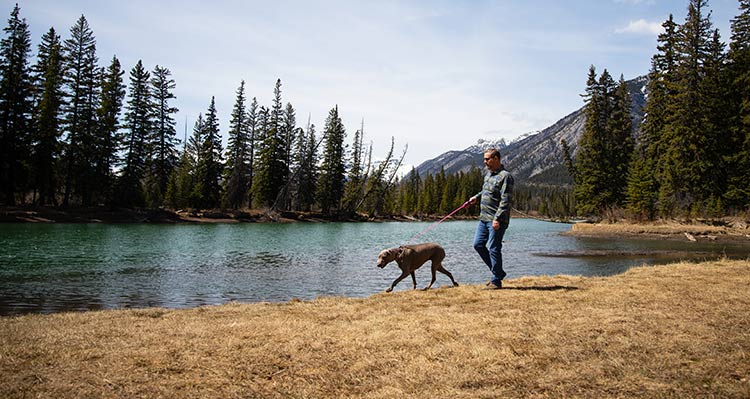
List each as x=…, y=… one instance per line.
x=493, y=152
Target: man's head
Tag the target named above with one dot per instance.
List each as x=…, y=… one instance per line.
x=492, y=159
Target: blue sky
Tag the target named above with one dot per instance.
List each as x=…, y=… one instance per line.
x=436, y=75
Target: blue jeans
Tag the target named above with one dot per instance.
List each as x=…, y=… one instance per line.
x=492, y=257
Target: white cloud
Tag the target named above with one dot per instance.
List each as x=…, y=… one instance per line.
x=642, y=27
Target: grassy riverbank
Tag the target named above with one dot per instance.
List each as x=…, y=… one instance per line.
x=670, y=331
x=734, y=231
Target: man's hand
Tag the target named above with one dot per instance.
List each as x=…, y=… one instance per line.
x=495, y=225
x=472, y=200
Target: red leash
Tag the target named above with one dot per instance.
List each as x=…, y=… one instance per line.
x=432, y=226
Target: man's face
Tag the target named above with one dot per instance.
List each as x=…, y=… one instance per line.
x=491, y=162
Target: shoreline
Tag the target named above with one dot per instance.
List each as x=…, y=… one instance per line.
x=101, y=214
x=680, y=330
x=732, y=232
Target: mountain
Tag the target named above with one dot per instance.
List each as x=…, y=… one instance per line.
x=535, y=157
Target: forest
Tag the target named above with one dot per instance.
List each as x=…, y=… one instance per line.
x=691, y=159
x=74, y=134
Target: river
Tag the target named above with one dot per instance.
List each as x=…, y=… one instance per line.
x=47, y=268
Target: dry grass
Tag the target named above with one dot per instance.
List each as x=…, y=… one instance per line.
x=670, y=331
x=735, y=232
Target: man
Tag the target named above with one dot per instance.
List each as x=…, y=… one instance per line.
x=495, y=202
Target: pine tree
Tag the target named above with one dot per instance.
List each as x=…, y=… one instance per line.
x=252, y=131
x=209, y=165
x=308, y=174
x=139, y=124
x=263, y=189
x=181, y=192
x=163, y=140
x=738, y=80
x=620, y=143
x=82, y=91
x=332, y=171
x=689, y=177
x=237, y=165
x=48, y=75
x=112, y=97
x=591, y=194
x=15, y=107
x=353, y=189
x=643, y=183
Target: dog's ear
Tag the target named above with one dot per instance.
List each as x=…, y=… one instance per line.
x=400, y=254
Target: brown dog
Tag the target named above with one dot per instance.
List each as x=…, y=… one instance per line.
x=411, y=258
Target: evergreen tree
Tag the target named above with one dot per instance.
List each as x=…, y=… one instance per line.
x=620, y=143
x=643, y=183
x=15, y=107
x=252, y=131
x=181, y=190
x=163, y=140
x=690, y=158
x=209, y=167
x=139, y=123
x=332, y=171
x=605, y=147
x=353, y=190
x=738, y=80
x=48, y=75
x=263, y=188
x=82, y=91
x=287, y=129
x=112, y=97
x=308, y=173
x=237, y=165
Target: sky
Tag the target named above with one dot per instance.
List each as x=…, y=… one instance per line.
x=434, y=75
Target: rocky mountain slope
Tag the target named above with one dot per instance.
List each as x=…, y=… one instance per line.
x=535, y=158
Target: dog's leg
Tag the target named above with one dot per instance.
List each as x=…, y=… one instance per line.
x=396, y=281
x=441, y=269
x=433, y=265
x=414, y=280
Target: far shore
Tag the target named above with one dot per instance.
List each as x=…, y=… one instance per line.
x=680, y=331
x=728, y=230
x=733, y=231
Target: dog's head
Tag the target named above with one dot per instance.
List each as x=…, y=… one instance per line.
x=388, y=255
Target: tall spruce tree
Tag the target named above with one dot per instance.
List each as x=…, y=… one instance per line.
x=139, y=124
x=112, y=97
x=181, y=190
x=48, y=79
x=354, y=182
x=252, y=139
x=238, y=163
x=209, y=167
x=15, y=107
x=82, y=92
x=620, y=143
x=605, y=147
x=646, y=170
x=308, y=172
x=263, y=189
x=332, y=170
x=163, y=140
x=738, y=79
x=689, y=177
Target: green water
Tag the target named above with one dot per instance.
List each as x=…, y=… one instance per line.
x=59, y=267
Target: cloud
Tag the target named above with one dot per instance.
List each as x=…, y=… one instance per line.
x=642, y=27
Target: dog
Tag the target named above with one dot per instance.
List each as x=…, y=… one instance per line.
x=411, y=257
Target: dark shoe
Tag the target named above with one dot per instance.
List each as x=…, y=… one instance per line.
x=493, y=286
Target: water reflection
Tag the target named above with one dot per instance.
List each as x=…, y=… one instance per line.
x=57, y=267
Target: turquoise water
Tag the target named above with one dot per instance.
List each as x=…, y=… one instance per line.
x=60, y=267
